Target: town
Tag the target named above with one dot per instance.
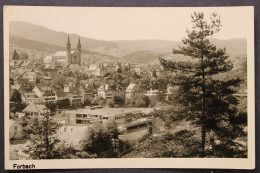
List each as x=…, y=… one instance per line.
x=76, y=93
x=66, y=102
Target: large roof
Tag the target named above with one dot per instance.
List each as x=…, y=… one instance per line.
x=35, y=108
x=43, y=88
x=105, y=111
x=62, y=53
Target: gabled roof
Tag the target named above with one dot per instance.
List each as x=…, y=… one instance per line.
x=63, y=53
x=43, y=88
x=35, y=108
x=26, y=63
x=130, y=87
x=27, y=94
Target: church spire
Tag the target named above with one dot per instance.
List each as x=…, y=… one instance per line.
x=79, y=46
x=68, y=42
x=79, y=40
x=68, y=51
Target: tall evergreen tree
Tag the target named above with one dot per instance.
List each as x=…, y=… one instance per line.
x=201, y=87
x=44, y=143
x=15, y=55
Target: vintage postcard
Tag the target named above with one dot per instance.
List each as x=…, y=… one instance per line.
x=121, y=87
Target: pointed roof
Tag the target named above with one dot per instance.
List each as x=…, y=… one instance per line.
x=68, y=40
x=130, y=87
x=35, y=108
x=78, y=40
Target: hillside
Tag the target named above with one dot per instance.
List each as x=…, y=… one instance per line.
x=120, y=48
x=141, y=57
x=39, y=33
x=39, y=50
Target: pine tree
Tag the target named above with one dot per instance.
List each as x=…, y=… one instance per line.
x=15, y=55
x=43, y=142
x=201, y=87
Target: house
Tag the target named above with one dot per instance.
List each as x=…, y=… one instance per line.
x=152, y=92
x=49, y=70
x=26, y=65
x=15, y=129
x=30, y=75
x=159, y=71
x=35, y=109
x=96, y=70
x=134, y=91
x=47, y=59
x=45, y=93
x=20, y=83
x=86, y=91
x=138, y=71
x=170, y=91
x=30, y=98
x=105, y=92
x=118, y=66
x=73, y=94
x=153, y=96
x=16, y=63
x=60, y=95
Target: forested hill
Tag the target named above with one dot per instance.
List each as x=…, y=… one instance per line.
x=120, y=48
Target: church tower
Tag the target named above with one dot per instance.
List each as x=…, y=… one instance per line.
x=68, y=50
x=79, y=51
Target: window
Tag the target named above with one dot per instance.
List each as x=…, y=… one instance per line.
x=15, y=128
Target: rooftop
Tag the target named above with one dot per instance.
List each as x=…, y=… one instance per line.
x=35, y=108
x=62, y=53
x=105, y=111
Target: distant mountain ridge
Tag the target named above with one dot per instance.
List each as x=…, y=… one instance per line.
x=131, y=50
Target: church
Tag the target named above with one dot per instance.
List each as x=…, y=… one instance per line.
x=66, y=58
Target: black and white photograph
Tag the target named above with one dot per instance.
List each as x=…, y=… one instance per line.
x=110, y=87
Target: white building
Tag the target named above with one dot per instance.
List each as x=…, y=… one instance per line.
x=101, y=115
x=45, y=93
x=104, y=92
x=152, y=92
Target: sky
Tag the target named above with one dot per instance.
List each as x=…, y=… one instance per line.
x=130, y=23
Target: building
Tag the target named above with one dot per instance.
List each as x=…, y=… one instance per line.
x=16, y=63
x=105, y=92
x=30, y=75
x=96, y=70
x=101, y=115
x=20, y=83
x=153, y=96
x=26, y=65
x=30, y=98
x=66, y=58
x=134, y=91
x=15, y=129
x=73, y=94
x=152, y=92
x=45, y=93
x=60, y=95
x=35, y=109
x=170, y=91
